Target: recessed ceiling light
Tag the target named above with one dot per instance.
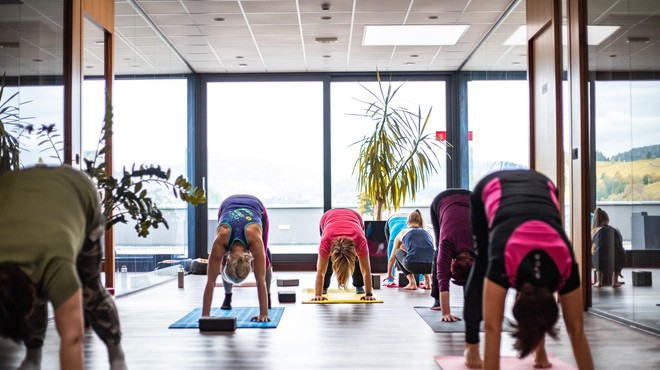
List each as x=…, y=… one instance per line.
x=432, y=17
x=413, y=35
x=239, y=57
x=612, y=55
x=638, y=40
x=326, y=40
x=127, y=59
x=37, y=60
x=595, y=35
x=326, y=18
x=89, y=67
x=219, y=19
x=99, y=42
x=410, y=63
x=515, y=62
x=414, y=56
x=8, y=44
x=242, y=65
x=327, y=56
x=325, y=7
x=135, y=66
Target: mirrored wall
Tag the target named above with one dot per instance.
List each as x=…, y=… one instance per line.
x=624, y=50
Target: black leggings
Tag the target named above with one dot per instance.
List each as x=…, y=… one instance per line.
x=411, y=267
x=358, y=280
x=473, y=302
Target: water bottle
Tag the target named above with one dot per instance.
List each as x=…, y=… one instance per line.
x=180, y=274
x=124, y=277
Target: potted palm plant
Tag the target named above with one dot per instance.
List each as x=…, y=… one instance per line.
x=398, y=157
x=395, y=161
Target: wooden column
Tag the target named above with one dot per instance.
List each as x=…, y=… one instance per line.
x=544, y=48
x=73, y=21
x=578, y=70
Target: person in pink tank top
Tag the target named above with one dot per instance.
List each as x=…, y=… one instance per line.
x=521, y=244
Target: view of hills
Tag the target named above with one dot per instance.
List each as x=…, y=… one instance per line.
x=633, y=175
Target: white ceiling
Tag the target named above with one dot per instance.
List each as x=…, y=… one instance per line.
x=156, y=37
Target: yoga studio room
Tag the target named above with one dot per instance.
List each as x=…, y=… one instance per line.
x=329, y=184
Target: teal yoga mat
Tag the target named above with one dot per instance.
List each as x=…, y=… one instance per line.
x=242, y=315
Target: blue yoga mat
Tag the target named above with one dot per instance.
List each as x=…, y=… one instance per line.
x=242, y=315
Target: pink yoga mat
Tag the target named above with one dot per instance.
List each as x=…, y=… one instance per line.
x=506, y=363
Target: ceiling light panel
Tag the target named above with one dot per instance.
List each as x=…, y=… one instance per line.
x=413, y=35
x=595, y=35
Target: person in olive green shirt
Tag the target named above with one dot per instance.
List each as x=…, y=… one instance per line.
x=50, y=251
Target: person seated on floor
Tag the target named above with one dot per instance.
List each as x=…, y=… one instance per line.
x=395, y=223
x=608, y=255
x=51, y=224
x=413, y=252
x=454, y=255
x=343, y=250
x=521, y=244
x=241, y=244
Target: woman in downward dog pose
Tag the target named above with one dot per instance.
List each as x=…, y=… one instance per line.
x=521, y=243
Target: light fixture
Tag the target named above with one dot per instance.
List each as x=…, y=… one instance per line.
x=219, y=19
x=242, y=65
x=638, y=40
x=410, y=63
x=37, y=60
x=432, y=17
x=418, y=35
x=595, y=35
x=239, y=57
x=414, y=56
x=99, y=42
x=325, y=7
x=8, y=44
x=326, y=56
x=326, y=18
x=325, y=40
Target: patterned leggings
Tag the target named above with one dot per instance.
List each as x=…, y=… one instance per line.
x=99, y=306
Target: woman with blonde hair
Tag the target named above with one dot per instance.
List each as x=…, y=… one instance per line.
x=413, y=252
x=343, y=249
x=240, y=245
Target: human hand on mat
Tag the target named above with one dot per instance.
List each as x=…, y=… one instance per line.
x=450, y=317
x=367, y=298
x=319, y=298
x=260, y=318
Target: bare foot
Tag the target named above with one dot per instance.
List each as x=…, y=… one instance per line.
x=412, y=286
x=472, y=357
x=616, y=284
x=597, y=285
x=541, y=359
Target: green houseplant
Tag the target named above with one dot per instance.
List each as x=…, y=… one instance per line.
x=397, y=159
x=124, y=199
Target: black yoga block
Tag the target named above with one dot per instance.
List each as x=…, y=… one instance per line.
x=286, y=296
x=288, y=282
x=217, y=324
x=375, y=281
x=642, y=278
x=403, y=280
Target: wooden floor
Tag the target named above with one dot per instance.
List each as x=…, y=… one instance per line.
x=376, y=336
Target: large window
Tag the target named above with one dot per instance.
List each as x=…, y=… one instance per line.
x=498, y=118
x=347, y=128
x=266, y=139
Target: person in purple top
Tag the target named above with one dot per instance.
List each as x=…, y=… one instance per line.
x=521, y=243
x=241, y=244
x=450, y=216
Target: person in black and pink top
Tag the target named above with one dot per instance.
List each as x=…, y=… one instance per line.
x=450, y=216
x=521, y=243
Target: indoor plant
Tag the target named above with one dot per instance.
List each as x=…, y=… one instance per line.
x=398, y=157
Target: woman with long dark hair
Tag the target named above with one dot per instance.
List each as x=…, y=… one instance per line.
x=521, y=244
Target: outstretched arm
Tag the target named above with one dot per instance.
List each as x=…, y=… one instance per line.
x=69, y=323
x=321, y=266
x=571, y=306
x=215, y=262
x=493, y=316
x=259, y=254
x=365, y=267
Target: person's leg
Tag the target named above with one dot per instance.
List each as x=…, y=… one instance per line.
x=228, y=287
x=358, y=279
x=327, y=278
x=37, y=323
x=435, y=288
x=99, y=306
x=400, y=256
x=269, y=277
x=472, y=309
